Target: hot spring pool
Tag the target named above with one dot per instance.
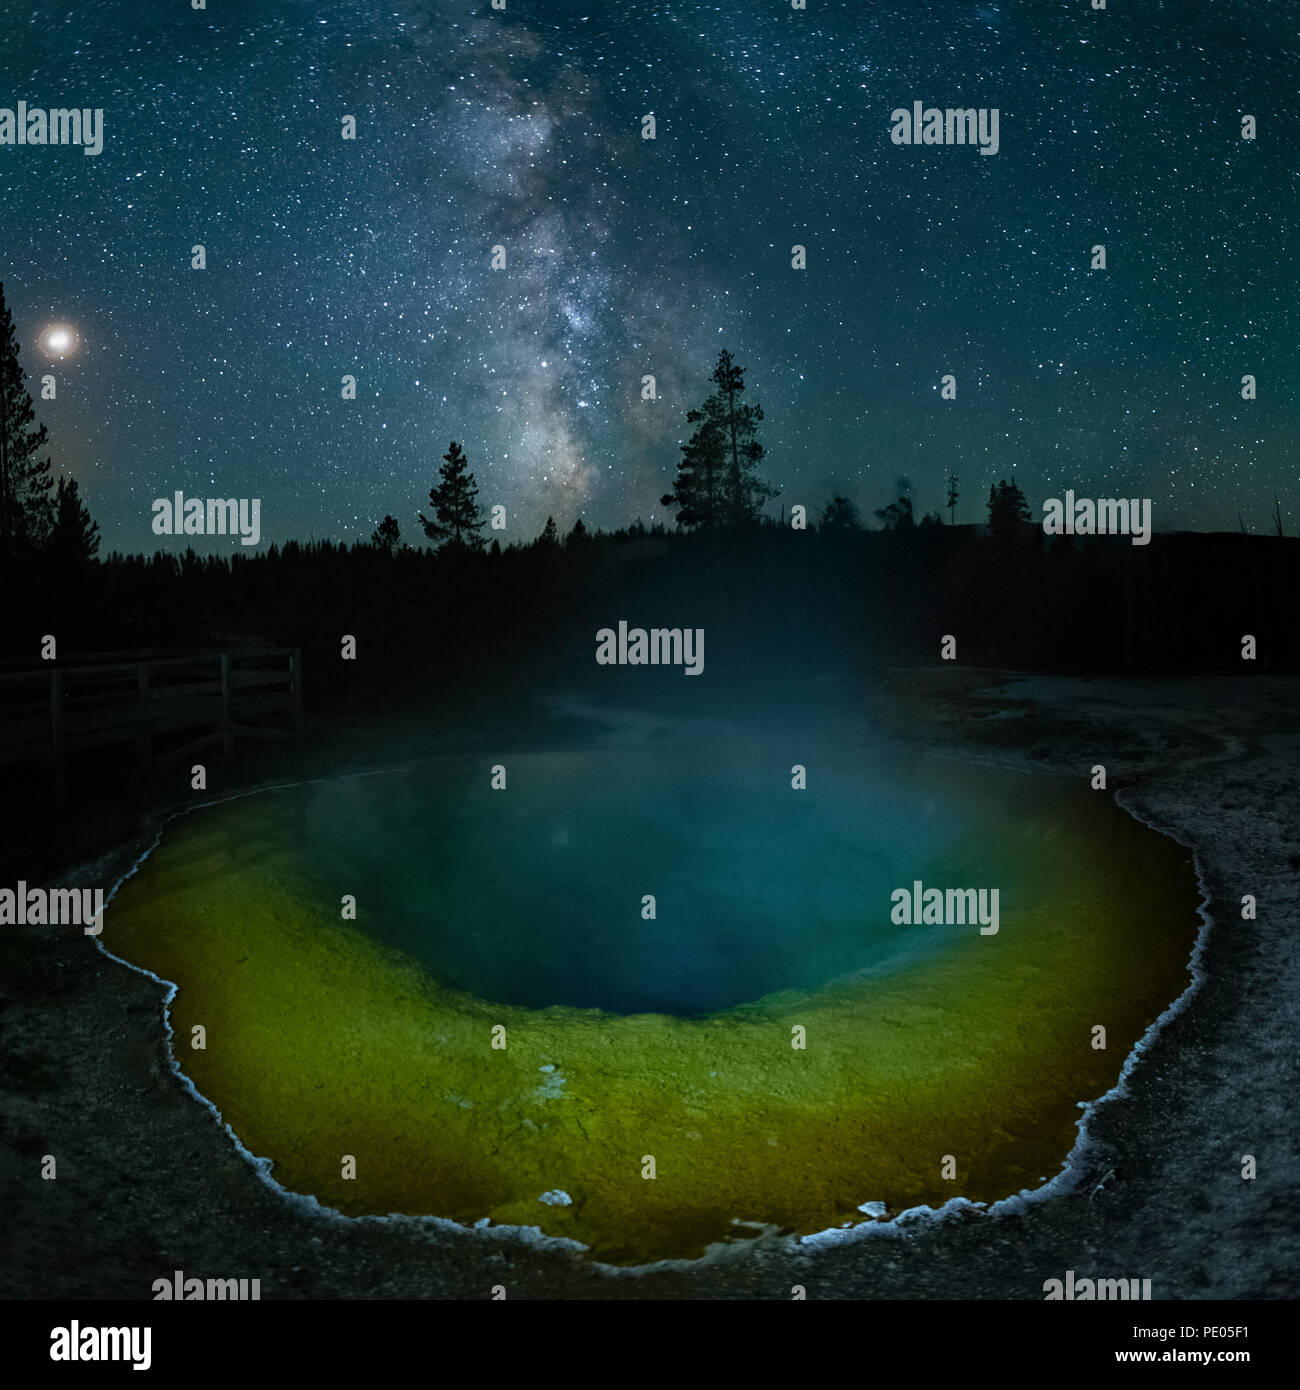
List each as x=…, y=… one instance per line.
x=501, y=1032
x=532, y=895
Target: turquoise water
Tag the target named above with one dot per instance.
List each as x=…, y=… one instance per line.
x=533, y=895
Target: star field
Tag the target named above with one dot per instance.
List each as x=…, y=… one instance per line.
x=628, y=257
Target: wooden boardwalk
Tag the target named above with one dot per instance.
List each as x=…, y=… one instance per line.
x=150, y=706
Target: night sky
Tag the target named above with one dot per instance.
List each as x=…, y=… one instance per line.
x=628, y=256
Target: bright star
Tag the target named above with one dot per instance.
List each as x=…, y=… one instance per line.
x=59, y=340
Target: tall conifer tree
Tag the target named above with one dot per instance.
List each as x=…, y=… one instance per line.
x=457, y=517
x=716, y=483
x=26, y=508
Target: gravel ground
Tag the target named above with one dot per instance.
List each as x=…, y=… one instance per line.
x=149, y=1182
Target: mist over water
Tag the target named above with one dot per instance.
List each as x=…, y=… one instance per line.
x=533, y=895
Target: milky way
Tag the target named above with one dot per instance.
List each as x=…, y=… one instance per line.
x=628, y=257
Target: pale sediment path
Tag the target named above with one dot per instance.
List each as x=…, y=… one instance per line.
x=1215, y=763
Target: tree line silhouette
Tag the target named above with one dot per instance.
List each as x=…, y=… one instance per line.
x=836, y=598
x=716, y=487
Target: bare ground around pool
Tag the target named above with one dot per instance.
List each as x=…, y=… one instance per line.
x=148, y=1182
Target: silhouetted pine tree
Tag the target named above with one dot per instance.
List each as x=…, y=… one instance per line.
x=715, y=480
x=1008, y=511
x=73, y=538
x=386, y=535
x=697, y=491
x=549, y=536
x=898, y=515
x=457, y=517
x=841, y=515
x=26, y=508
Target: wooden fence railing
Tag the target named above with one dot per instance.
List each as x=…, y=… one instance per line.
x=166, y=706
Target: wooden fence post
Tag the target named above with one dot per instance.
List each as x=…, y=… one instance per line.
x=295, y=681
x=227, y=729
x=56, y=730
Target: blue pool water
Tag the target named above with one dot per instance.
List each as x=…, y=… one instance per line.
x=533, y=895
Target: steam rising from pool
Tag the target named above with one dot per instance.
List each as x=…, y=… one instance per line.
x=533, y=894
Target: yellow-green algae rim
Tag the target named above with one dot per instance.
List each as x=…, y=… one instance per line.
x=1063, y=1181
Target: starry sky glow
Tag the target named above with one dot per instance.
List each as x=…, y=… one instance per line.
x=628, y=257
